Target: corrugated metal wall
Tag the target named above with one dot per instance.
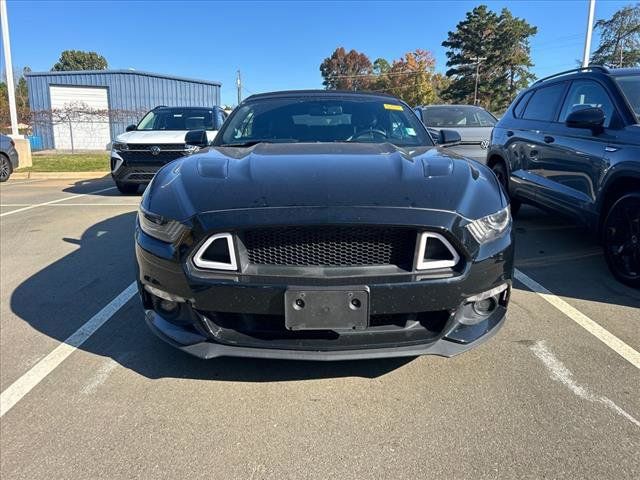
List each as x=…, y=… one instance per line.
x=131, y=93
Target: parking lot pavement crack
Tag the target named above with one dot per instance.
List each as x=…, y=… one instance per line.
x=560, y=373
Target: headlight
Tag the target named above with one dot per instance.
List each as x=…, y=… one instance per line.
x=160, y=227
x=490, y=227
x=120, y=146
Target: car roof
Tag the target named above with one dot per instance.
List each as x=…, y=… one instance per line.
x=586, y=72
x=165, y=107
x=443, y=105
x=618, y=72
x=321, y=93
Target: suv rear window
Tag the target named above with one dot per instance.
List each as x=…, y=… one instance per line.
x=544, y=103
x=519, y=108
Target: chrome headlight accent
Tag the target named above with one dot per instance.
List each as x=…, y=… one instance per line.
x=160, y=227
x=119, y=146
x=426, y=263
x=229, y=263
x=490, y=227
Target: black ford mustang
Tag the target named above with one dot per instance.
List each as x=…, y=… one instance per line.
x=324, y=226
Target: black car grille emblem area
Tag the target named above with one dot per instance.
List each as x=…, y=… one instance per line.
x=155, y=150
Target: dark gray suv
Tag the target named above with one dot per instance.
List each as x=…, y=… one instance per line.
x=571, y=143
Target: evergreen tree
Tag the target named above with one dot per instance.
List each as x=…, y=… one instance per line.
x=492, y=50
x=619, y=39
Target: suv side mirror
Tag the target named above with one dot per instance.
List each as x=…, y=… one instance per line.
x=196, y=138
x=592, y=118
x=448, y=137
x=130, y=128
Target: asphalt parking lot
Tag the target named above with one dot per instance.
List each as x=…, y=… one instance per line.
x=554, y=395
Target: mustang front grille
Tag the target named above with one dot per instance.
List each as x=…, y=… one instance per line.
x=331, y=246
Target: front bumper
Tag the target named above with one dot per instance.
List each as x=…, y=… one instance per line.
x=243, y=315
x=200, y=346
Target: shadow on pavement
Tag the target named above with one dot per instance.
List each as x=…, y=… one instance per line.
x=60, y=298
x=567, y=259
x=89, y=186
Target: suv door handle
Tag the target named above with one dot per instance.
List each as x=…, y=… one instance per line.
x=548, y=139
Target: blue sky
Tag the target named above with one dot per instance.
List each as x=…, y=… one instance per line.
x=276, y=45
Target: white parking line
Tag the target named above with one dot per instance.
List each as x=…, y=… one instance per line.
x=18, y=389
x=606, y=337
x=21, y=183
x=562, y=374
x=55, y=201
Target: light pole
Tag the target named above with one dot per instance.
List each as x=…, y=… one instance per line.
x=4, y=21
x=475, y=91
x=587, y=38
x=239, y=85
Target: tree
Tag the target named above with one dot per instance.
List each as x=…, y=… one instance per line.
x=492, y=51
x=411, y=78
x=619, y=39
x=346, y=71
x=22, y=101
x=79, y=60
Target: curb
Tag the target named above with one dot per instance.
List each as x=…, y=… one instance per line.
x=57, y=175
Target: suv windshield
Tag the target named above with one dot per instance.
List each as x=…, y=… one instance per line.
x=457, y=117
x=178, y=119
x=630, y=86
x=318, y=119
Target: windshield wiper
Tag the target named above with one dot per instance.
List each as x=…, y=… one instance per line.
x=251, y=143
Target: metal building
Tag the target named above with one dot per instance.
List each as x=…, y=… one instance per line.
x=85, y=110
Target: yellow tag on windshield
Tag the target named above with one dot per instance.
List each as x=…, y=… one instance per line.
x=391, y=106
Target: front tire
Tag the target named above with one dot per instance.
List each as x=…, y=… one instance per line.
x=5, y=168
x=500, y=172
x=621, y=239
x=127, y=188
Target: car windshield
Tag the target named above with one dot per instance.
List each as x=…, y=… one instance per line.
x=630, y=86
x=330, y=119
x=178, y=119
x=457, y=117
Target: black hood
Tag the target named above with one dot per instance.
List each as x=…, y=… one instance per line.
x=323, y=175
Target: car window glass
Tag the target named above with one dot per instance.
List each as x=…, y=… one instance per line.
x=519, y=108
x=544, y=103
x=324, y=120
x=178, y=119
x=457, y=116
x=585, y=94
x=630, y=86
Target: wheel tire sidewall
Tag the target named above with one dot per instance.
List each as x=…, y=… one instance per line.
x=4, y=159
x=634, y=283
x=500, y=171
x=127, y=188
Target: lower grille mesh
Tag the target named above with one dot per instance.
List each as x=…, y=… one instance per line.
x=331, y=246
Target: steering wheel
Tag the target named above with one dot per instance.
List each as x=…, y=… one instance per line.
x=371, y=132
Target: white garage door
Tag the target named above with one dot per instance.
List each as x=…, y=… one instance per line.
x=80, y=118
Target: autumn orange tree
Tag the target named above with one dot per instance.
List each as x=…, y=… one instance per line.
x=411, y=78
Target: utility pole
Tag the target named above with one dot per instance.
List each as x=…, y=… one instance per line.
x=239, y=85
x=587, y=38
x=475, y=91
x=4, y=21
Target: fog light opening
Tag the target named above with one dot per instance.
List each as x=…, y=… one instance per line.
x=484, y=307
x=168, y=306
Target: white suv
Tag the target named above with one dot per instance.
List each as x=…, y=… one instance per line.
x=159, y=138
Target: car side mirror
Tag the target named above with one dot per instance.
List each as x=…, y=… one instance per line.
x=448, y=137
x=196, y=138
x=592, y=118
x=130, y=128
